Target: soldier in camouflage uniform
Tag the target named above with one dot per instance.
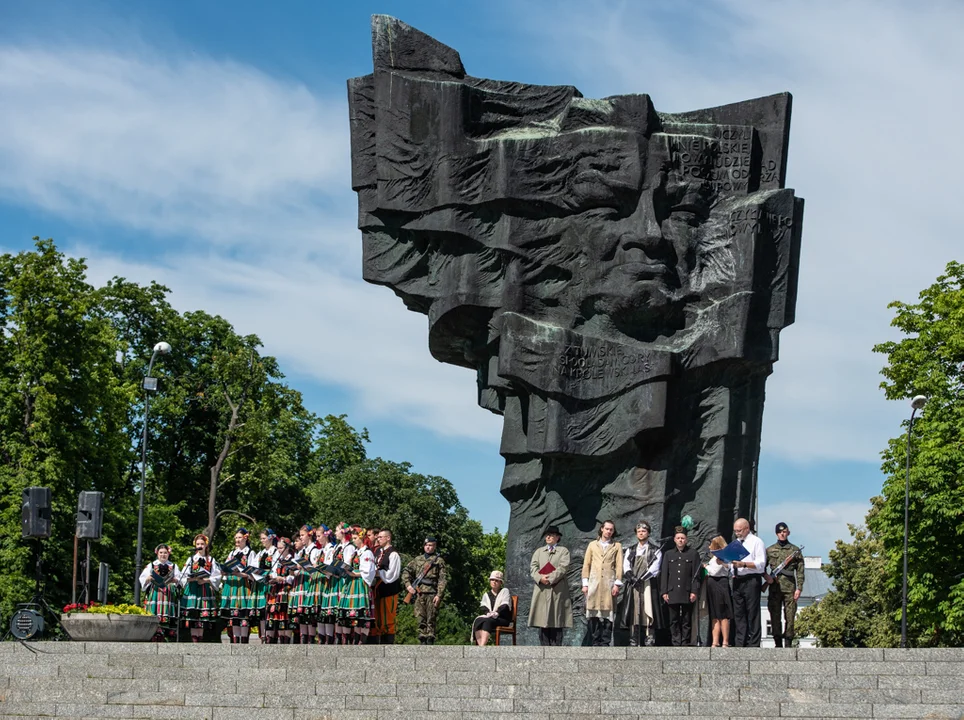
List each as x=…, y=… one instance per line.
x=784, y=589
x=429, y=572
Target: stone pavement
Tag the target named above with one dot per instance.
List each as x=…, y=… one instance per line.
x=249, y=682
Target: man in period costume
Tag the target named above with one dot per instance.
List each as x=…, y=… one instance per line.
x=602, y=576
x=388, y=564
x=640, y=607
x=679, y=583
x=551, y=606
x=785, y=587
x=425, y=578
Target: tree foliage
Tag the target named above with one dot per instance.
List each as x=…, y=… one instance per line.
x=859, y=611
x=928, y=361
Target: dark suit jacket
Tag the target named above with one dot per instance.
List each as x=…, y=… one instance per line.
x=678, y=576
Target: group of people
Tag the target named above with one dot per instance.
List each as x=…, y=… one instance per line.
x=323, y=586
x=645, y=587
x=342, y=586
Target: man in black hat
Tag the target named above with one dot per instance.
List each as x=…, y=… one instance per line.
x=551, y=607
x=784, y=587
x=425, y=578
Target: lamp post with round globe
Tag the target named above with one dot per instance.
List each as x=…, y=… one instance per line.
x=917, y=403
x=150, y=385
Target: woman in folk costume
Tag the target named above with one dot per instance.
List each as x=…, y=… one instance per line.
x=325, y=539
x=327, y=588
x=264, y=560
x=238, y=589
x=303, y=607
x=200, y=578
x=159, y=583
x=277, y=624
x=640, y=610
x=355, y=600
x=496, y=610
x=344, y=554
x=329, y=600
x=602, y=576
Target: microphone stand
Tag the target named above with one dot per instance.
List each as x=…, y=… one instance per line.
x=696, y=622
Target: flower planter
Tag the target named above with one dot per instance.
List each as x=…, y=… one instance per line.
x=99, y=627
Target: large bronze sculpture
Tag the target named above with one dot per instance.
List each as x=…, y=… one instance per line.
x=616, y=276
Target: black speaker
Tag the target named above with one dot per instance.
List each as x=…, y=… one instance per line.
x=90, y=515
x=36, y=512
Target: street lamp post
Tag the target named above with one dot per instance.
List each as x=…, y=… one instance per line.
x=917, y=403
x=150, y=385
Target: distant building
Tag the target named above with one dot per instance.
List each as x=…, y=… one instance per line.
x=816, y=585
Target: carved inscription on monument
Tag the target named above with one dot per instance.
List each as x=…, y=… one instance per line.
x=602, y=361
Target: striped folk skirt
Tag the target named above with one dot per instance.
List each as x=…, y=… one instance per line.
x=302, y=605
x=163, y=602
x=276, y=607
x=199, y=604
x=354, y=604
x=330, y=592
x=237, y=599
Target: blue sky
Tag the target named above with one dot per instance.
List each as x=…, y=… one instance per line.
x=205, y=145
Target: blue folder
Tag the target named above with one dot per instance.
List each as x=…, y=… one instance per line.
x=732, y=552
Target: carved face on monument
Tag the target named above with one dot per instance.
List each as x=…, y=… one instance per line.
x=582, y=251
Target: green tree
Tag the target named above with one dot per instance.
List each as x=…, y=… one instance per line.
x=62, y=413
x=859, y=611
x=928, y=361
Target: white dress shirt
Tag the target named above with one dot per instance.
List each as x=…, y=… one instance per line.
x=757, y=556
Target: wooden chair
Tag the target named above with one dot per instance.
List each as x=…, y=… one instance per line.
x=508, y=629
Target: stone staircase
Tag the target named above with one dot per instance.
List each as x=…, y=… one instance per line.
x=249, y=682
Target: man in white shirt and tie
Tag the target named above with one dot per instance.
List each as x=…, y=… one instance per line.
x=747, y=587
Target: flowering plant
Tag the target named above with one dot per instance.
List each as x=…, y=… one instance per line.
x=93, y=607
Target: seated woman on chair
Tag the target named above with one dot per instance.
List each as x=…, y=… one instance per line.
x=496, y=610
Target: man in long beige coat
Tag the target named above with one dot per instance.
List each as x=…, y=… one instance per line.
x=551, y=607
x=602, y=576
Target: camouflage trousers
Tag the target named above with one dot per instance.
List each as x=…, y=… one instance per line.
x=779, y=600
x=426, y=614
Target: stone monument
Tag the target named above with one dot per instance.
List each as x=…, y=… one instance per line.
x=616, y=276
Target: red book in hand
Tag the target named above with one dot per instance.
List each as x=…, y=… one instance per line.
x=546, y=569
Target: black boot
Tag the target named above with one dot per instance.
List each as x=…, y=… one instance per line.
x=387, y=640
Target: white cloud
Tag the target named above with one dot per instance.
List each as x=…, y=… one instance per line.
x=876, y=88
x=210, y=151
x=816, y=526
